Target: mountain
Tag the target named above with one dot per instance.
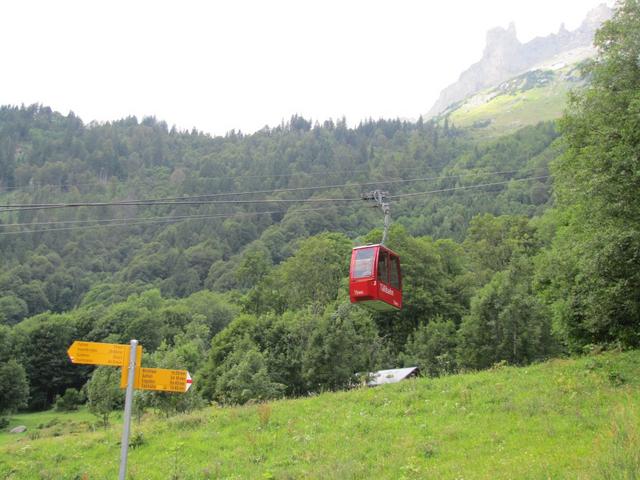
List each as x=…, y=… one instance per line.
x=504, y=57
x=537, y=95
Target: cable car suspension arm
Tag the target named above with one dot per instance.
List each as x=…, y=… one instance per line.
x=380, y=198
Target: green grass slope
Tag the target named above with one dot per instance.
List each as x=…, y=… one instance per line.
x=562, y=419
x=536, y=96
x=49, y=423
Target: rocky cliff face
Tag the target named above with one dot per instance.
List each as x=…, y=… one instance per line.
x=505, y=57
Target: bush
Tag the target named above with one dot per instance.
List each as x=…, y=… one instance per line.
x=70, y=401
x=104, y=394
x=432, y=348
x=246, y=377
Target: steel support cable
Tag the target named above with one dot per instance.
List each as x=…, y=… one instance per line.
x=230, y=177
x=105, y=220
x=183, y=200
x=110, y=220
x=151, y=220
x=468, y=187
x=342, y=185
x=195, y=202
x=141, y=221
x=284, y=175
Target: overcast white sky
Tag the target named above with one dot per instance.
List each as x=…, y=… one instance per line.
x=242, y=64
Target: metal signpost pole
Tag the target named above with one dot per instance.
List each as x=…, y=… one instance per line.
x=128, y=401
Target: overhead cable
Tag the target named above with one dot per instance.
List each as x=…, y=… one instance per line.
x=151, y=220
x=185, y=200
x=416, y=194
x=229, y=177
x=164, y=220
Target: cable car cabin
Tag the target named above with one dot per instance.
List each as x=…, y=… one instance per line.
x=375, y=279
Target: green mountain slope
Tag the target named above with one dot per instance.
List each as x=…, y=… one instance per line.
x=535, y=96
x=182, y=248
x=561, y=419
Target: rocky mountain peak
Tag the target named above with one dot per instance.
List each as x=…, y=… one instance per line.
x=562, y=31
x=505, y=57
x=596, y=17
x=500, y=40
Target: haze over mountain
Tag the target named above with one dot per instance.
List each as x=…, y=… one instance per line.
x=505, y=57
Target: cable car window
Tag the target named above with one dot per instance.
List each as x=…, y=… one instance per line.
x=383, y=275
x=363, y=265
x=394, y=272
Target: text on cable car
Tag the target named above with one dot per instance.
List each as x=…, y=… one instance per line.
x=386, y=289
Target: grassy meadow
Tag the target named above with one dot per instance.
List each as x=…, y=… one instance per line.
x=509, y=111
x=573, y=419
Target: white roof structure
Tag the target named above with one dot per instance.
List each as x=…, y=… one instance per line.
x=391, y=376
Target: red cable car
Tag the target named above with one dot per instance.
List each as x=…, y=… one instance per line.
x=375, y=279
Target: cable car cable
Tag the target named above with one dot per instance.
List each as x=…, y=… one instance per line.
x=298, y=189
x=152, y=203
x=141, y=221
x=405, y=195
x=230, y=177
x=260, y=201
x=181, y=200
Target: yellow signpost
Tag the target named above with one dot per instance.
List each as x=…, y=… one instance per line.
x=164, y=380
x=93, y=353
x=160, y=379
x=116, y=355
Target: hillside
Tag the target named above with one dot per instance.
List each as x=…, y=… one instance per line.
x=537, y=95
x=265, y=189
x=233, y=252
x=561, y=419
x=505, y=57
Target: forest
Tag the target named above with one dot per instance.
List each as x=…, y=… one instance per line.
x=229, y=256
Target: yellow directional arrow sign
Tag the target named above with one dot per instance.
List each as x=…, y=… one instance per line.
x=93, y=353
x=163, y=380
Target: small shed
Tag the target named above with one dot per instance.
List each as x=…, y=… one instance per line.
x=394, y=375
